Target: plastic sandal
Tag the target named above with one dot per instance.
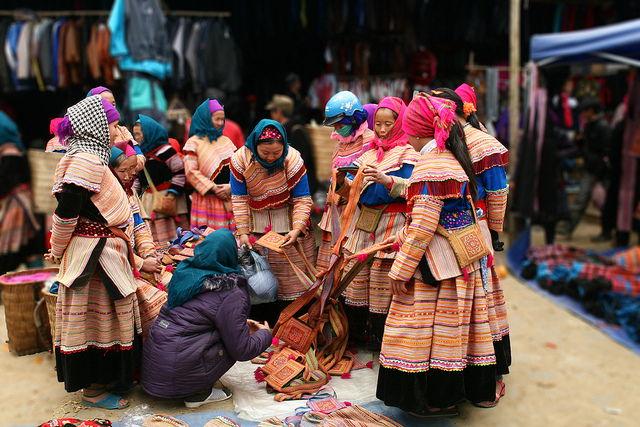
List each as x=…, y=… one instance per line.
x=488, y=404
x=109, y=402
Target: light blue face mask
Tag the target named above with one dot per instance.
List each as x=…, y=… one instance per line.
x=345, y=130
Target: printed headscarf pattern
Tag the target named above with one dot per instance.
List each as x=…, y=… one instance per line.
x=430, y=117
x=9, y=132
x=217, y=255
x=396, y=135
x=253, y=138
x=90, y=129
x=154, y=134
x=202, y=125
x=468, y=96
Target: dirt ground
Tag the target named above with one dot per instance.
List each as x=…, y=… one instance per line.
x=564, y=372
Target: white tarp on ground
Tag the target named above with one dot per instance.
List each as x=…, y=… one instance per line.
x=253, y=403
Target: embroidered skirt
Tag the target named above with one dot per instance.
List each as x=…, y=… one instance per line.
x=437, y=346
x=150, y=301
x=210, y=211
x=97, y=340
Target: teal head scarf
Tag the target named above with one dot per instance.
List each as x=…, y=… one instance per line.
x=9, y=132
x=154, y=134
x=201, y=123
x=215, y=256
x=254, y=137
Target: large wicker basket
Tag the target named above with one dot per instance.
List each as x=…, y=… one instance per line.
x=323, y=147
x=20, y=299
x=43, y=165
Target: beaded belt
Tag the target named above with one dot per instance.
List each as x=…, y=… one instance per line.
x=92, y=229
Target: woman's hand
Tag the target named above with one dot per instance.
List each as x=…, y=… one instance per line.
x=340, y=176
x=152, y=265
x=398, y=287
x=222, y=191
x=389, y=241
x=372, y=174
x=52, y=258
x=244, y=240
x=291, y=238
x=256, y=326
x=171, y=194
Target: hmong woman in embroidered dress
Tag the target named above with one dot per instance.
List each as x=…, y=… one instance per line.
x=489, y=157
x=437, y=348
x=147, y=264
x=166, y=169
x=206, y=162
x=270, y=192
x=122, y=133
x=382, y=214
x=18, y=226
x=345, y=113
x=98, y=327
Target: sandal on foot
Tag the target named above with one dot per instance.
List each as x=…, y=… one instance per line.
x=216, y=395
x=489, y=404
x=110, y=402
x=424, y=412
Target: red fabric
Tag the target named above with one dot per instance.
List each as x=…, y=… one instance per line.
x=430, y=117
x=566, y=110
x=467, y=94
x=233, y=131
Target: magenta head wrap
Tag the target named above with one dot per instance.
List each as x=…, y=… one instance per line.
x=110, y=111
x=126, y=147
x=98, y=90
x=430, y=117
x=214, y=106
x=468, y=96
x=371, y=111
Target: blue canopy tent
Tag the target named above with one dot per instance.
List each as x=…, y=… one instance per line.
x=612, y=43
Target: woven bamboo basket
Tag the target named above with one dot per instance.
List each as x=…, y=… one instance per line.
x=19, y=299
x=51, y=301
x=323, y=147
x=43, y=165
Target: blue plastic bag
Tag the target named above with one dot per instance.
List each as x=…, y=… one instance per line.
x=263, y=285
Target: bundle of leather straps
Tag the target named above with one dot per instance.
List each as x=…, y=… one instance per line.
x=319, y=336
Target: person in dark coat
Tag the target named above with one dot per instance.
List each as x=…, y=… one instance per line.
x=596, y=142
x=203, y=328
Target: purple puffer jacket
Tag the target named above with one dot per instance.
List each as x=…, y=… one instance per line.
x=191, y=346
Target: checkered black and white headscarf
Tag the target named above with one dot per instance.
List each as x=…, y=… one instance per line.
x=90, y=129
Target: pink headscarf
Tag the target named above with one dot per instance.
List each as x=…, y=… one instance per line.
x=54, y=124
x=396, y=135
x=430, y=117
x=468, y=96
x=126, y=147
